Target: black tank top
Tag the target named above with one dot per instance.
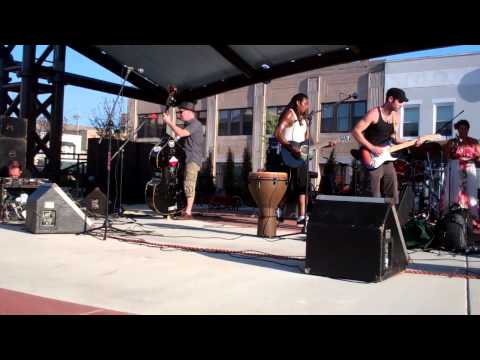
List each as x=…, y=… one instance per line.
x=380, y=132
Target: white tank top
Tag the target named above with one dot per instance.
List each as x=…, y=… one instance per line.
x=296, y=132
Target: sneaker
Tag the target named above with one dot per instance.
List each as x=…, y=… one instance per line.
x=280, y=218
x=301, y=221
x=184, y=216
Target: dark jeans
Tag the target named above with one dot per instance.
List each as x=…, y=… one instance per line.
x=387, y=173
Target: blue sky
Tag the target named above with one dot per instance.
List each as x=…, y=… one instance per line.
x=84, y=102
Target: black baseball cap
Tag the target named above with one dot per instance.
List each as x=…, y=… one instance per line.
x=187, y=105
x=397, y=94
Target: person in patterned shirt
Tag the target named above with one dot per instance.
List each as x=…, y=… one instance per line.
x=461, y=184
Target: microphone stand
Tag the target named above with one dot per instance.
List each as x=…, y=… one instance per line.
x=307, y=165
x=120, y=208
x=121, y=152
x=449, y=123
x=309, y=123
x=108, y=132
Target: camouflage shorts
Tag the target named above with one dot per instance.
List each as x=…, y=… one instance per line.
x=190, y=182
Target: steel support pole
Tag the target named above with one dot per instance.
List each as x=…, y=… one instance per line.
x=4, y=80
x=56, y=123
x=28, y=94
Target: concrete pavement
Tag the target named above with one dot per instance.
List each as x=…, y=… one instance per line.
x=137, y=279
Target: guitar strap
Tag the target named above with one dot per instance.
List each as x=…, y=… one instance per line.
x=394, y=120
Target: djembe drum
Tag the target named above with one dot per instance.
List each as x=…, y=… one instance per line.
x=267, y=189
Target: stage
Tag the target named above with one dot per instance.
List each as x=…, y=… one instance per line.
x=234, y=272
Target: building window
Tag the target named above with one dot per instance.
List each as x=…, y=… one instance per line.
x=358, y=112
x=235, y=122
x=444, y=117
x=343, y=117
x=223, y=121
x=411, y=120
x=247, y=128
x=273, y=115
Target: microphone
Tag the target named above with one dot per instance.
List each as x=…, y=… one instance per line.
x=309, y=116
x=351, y=96
x=131, y=68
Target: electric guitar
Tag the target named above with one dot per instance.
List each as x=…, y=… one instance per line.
x=372, y=162
x=295, y=162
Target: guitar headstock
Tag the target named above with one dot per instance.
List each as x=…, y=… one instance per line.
x=172, y=92
x=342, y=140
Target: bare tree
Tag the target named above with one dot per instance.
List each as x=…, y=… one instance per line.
x=106, y=111
x=43, y=126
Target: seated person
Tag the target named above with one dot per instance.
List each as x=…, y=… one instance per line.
x=14, y=169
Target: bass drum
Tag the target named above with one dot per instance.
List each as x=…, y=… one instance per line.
x=164, y=194
x=163, y=198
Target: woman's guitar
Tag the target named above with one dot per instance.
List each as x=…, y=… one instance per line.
x=372, y=162
x=296, y=162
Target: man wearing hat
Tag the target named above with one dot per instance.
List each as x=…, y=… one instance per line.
x=379, y=126
x=193, y=146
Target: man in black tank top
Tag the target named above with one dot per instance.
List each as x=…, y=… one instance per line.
x=377, y=127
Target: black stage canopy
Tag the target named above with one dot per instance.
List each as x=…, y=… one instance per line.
x=199, y=71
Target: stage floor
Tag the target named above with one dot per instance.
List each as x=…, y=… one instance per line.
x=81, y=274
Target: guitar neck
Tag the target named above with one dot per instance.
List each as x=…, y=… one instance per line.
x=319, y=145
x=405, y=145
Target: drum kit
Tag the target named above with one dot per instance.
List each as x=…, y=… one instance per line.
x=424, y=168
x=14, y=193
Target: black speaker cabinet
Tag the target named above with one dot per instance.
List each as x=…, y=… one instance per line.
x=51, y=211
x=96, y=203
x=355, y=238
x=13, y=127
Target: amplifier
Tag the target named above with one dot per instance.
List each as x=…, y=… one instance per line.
x=355, y=238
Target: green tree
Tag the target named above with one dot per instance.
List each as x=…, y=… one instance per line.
x=205, y=184
x=271, y=123
x=246, y=170
x=246, y=166
x=229, y=177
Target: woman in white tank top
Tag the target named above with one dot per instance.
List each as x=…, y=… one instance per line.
x=297, y=132
x=291, y=128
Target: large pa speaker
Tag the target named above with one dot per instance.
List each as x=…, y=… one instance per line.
x=13, y=127
x=355, y=238
x=51, y=211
